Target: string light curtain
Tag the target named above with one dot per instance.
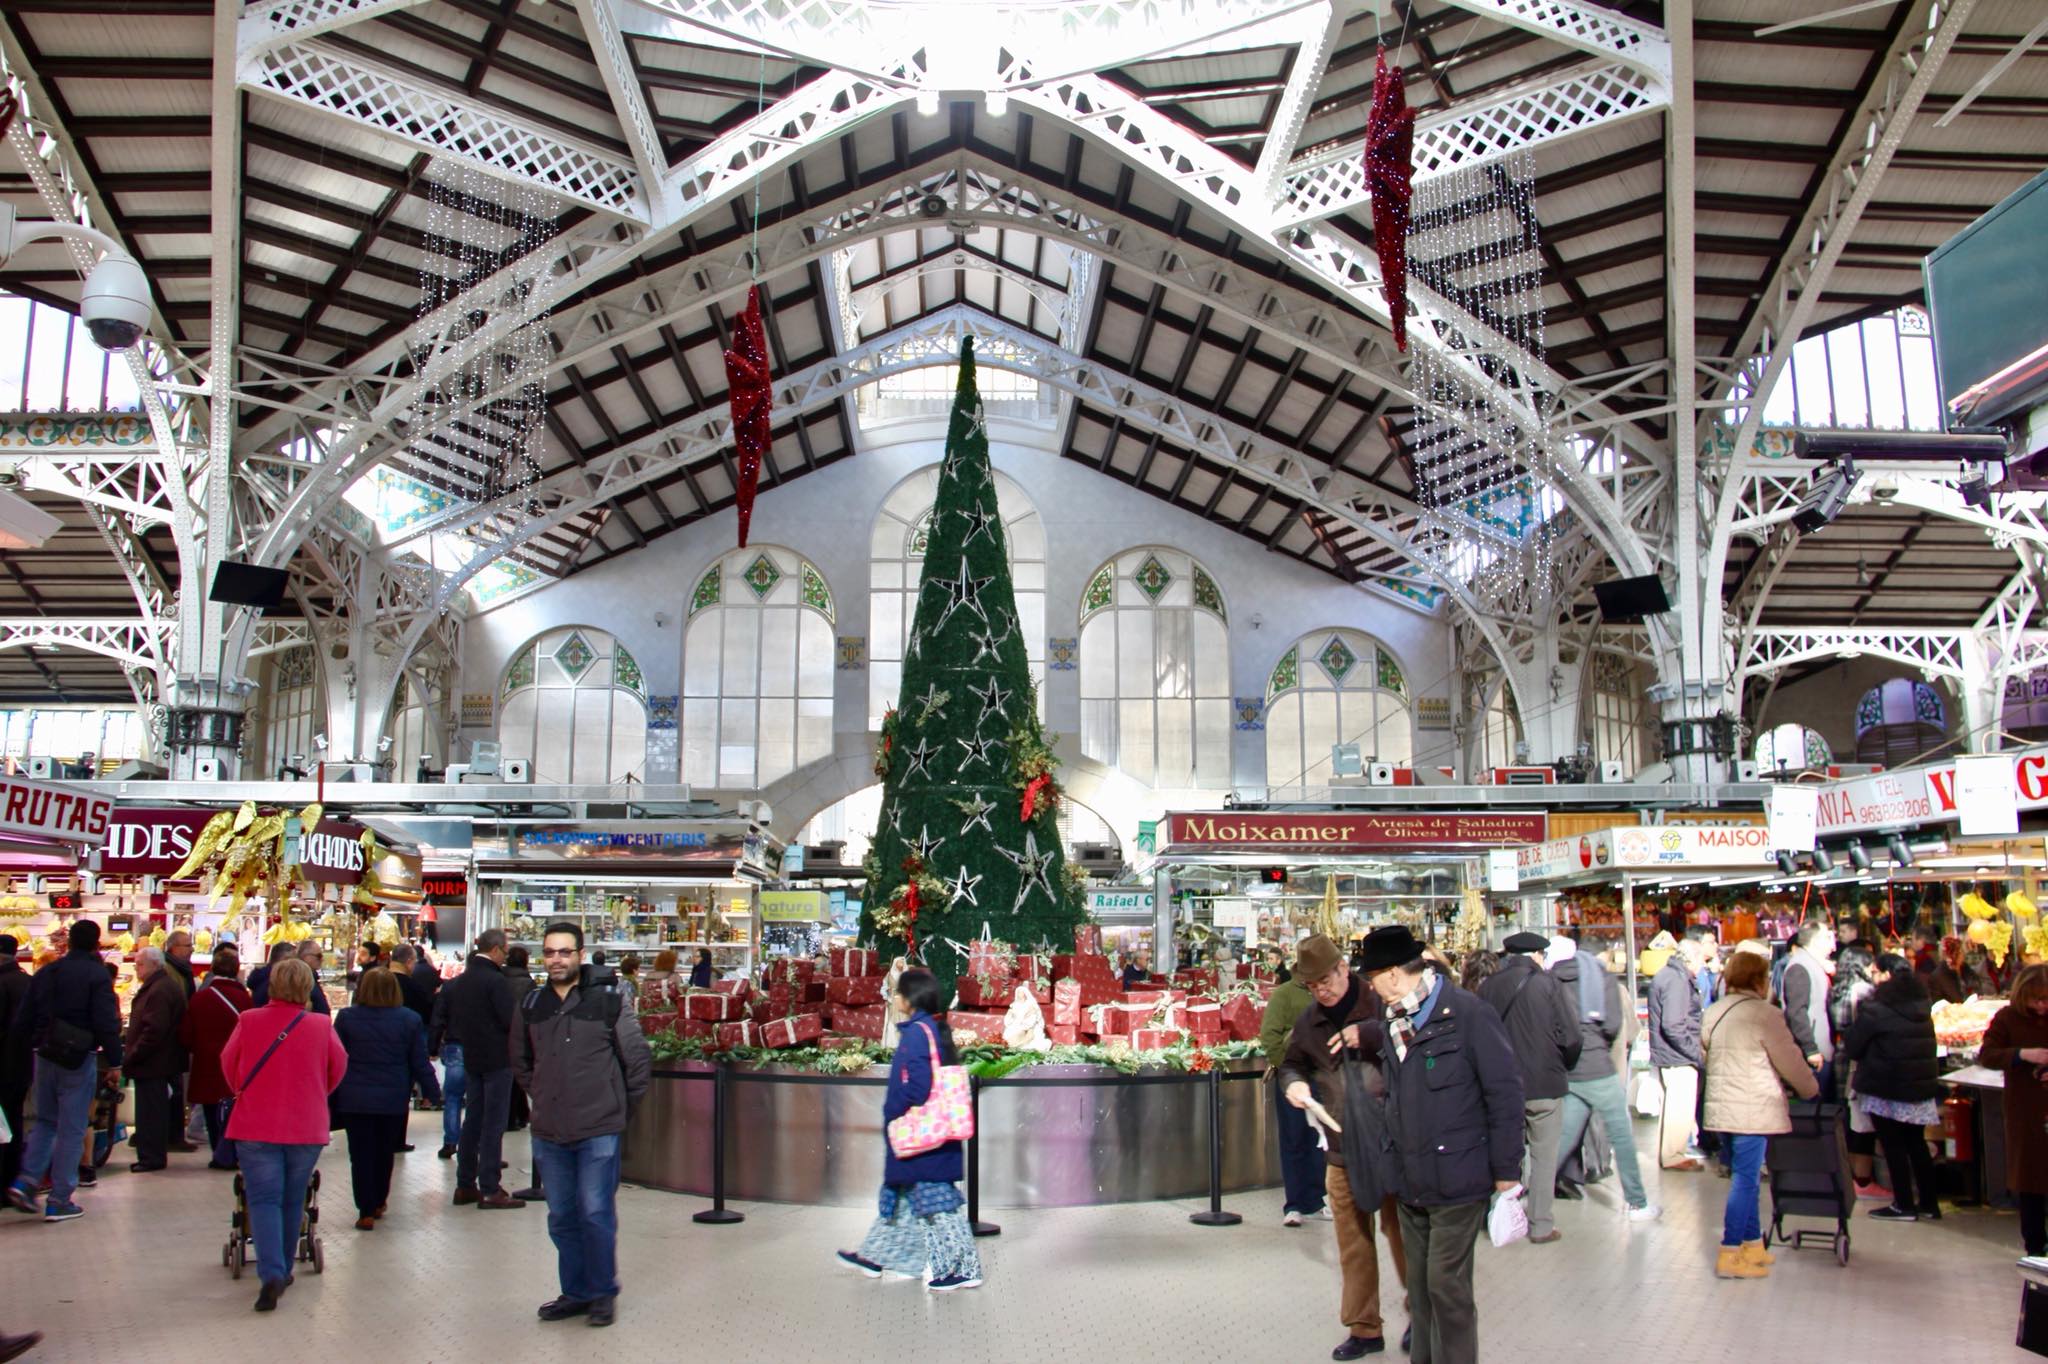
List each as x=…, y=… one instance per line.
x=477, y=226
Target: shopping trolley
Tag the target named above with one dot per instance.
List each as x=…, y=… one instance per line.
x=240, y=1247
x=1810, y=1177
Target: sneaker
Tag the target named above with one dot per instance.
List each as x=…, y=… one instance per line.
x=88, y=1178
x=866, y=1268
x=55, y=1211
x=1290, y=1219
x=1930, y=1214
x=1324, y=1213
x=1649, y=1212
x=953, y=1281
x=1872, y=1190
x=22, y=1198
x=1891, y=1212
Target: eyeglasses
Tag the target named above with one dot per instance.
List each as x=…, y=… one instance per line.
x=558, y=951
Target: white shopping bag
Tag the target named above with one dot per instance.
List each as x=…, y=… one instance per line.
x=1508, y=1220
x=1648, y=1098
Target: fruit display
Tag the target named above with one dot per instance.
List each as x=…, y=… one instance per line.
x=1961, y=1026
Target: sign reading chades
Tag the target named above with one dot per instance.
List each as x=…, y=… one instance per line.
x=45, y=811
x=1349, y=833
x=333, y=853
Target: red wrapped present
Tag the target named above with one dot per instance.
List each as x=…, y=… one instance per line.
x=738, y=989
x=1093, y=993
x=1032, y=966
x=1192, y=999
x=985, y=992
x=1143, y=997
x=1063, y=1034
x=1101, y=1020
x=790, y=971
x=814, y=992
x=695, y=1027
x=1197, y=978
x=653, y=1024
x=1042, y=992
x=984, y=953
x=745, y=1033
x=793, y=1031
x=1207, y=1017
x=852, y=961
x=982, y=1027
x=857, y=991
x=1242, y=1016
x=712, y=1007
x=1066, y=1003
x=860, y=1022
x=1088, y=938
x=1153, y=1039
x=780, y=999
x=1207, y=1039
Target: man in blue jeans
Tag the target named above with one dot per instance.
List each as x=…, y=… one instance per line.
x=71, y=1020
x=480, y=1006
x=584, y=1063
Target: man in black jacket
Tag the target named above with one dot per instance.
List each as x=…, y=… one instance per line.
x=71, y=1018
x=480, y=1005
x=1675, y=1051
x=1343, y=1024
x=15, y=1063
x=1543, y=1025
x=1454, y=1104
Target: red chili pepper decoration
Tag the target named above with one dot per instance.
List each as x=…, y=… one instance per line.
x=1389, y=175
x=746, y=378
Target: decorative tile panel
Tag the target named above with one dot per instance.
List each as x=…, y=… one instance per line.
x=1101, y=592
x=1063, y=655
x=520, y=674
x=626, y=671
x=1251, y=713
x=1433, y=712
x=1286, y=673
x=816, y=595
x=1387, y=675
x=477, y=710
x=710, y=589
x=853, y=653
x=662, y=711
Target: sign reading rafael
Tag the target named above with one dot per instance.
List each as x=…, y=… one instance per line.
x=1325, y=832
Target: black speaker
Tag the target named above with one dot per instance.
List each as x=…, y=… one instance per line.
x=1630, y=599
x=238, y=584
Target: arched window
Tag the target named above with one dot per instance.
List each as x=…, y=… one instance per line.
x=1790, y=749
x=416, y=725
x=897, y=555
x=757, y=670
x=575, y=706
x=289, y=683
x=1334, y=687
x=1155, y=670
x=1899, y=722
x=1500, y=741
x=1618, y=720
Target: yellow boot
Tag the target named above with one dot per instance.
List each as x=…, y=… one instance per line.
x=1734, y=1265
x=1754, y=1252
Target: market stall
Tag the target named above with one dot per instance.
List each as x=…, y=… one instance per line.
x=633, y=885
x=45, y=830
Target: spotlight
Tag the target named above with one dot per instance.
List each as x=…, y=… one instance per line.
x=1823, y=860
x=1899, y=849
x=320, y=742
x=1787, y=865
x=1859, y=857
x=998, y=102
x=927, y=103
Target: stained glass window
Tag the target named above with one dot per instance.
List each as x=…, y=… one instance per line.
x=1334, y=687
x=757, y=672
x=573, y=707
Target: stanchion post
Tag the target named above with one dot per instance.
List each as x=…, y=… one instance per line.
x=718, y=1215
x=974, y=1222
x=1215, y=1216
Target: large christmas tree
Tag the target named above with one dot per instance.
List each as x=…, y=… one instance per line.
x=968, y=833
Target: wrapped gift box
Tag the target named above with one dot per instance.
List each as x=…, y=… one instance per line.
x=1042, y=992
x=1242, y=1016
x=1066, y=1003
x=1204, y=1018
x=1031, y=966
x=654, y=1024
x=745, y=1033
x=695, y=1027
x=1088, y=938
x=1153, y=1039
x=794, y=1031
x=852, y=961
x=856, y=991
x=711, y=1007
x=814, y=992
x=738, y=989
x=1197, y=978
x=985, y=992
x=790, y=971
x=968, y=1026
x=1192, y=1000
x=779, y=999
x=1142, y=997
x=1126, y=1016
x=986, y=956
x=1062, y=1034
x=860, y=1022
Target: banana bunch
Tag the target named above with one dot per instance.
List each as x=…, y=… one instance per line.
x=286, y=930
x=2020, y=903
x=1978, y=908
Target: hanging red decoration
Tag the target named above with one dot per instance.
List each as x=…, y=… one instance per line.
x=1389, y=176
x=1040, y=786
x=746, y=378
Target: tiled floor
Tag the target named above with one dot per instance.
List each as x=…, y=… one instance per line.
x=139, y=1277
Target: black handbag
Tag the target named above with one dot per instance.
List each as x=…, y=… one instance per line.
x=67, y=1045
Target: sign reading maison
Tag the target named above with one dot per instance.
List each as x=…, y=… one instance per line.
x=1347, y=833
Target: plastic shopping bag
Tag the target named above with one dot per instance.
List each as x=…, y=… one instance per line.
x=1508, y=1220
x=1648, y=1096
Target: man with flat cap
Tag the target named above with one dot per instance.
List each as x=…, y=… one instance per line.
x=1542, y=1021
x=1454, y=1108
x=1342, y=1025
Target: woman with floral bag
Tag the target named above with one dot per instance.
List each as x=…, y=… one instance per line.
x=921, y=1230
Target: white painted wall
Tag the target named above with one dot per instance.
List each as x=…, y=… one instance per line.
x=828, y=517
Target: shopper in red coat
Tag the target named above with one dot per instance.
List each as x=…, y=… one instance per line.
x=209, y=1021
x=282, y=1062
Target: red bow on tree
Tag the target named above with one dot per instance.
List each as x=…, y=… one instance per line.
x=1033, y=789
x=1389, y=176
x=746, y=378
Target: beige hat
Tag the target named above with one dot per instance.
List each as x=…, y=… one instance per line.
x=1315, y=958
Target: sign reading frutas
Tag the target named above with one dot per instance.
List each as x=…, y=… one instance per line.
x=46, y=811
x=1353, y=833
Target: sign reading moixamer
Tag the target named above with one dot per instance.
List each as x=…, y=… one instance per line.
x=1344, y=833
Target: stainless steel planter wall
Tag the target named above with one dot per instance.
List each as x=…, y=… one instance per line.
x=798, y=1138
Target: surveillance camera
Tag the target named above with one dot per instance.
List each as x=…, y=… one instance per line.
x=932, y=206
x=115, y=304
x=1884, y=489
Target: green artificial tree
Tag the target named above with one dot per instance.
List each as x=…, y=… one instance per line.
x=968, y=833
